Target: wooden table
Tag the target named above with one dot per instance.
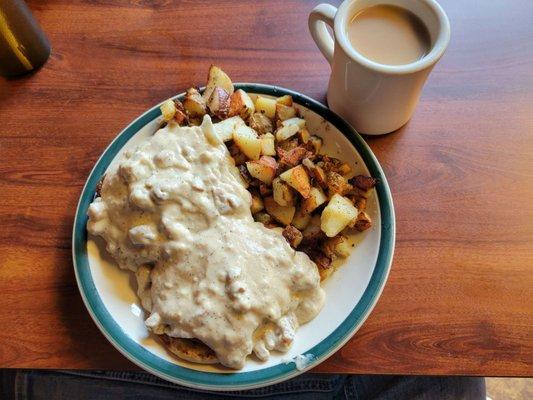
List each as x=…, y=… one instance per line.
x=459, y=296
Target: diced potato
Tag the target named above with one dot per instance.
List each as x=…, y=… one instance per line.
x=168, y=109
x=292, y=157
x=360, y=203
x=180, y=117
x=194, y=104
x=316, y=199
x=320, y=177
x=218, y=102
x=286, y=132
x=282, y=193
x=247, y=141
x=300, y=122
x=266, y=106
x=293, y=236
x=316, y=142
x=281, y=214
x=238, y=156
x=217, y=77
x=337, y=184
x=257, y=203
x=286, y=100
x=324, y=272
x=304, y=135
x=263, y=217
x=363, y=182
x=336, y=246
x=323, y=263
x=260, y=123
x=246, y=178
x=309, y=164
x=264, y=169
x=312, y=232
x=344, y=169
x=267, y=144
x=298, y=179
x=225, y=128
x=284, y=112
x=300, y=219
x=241, y=104
x=316, y=172
x=337, y=215
x=363, y=222
x=287, y=145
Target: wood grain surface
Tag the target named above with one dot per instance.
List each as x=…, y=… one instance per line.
x=459, y=296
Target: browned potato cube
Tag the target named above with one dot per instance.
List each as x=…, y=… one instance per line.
x=338, y=214
x=336, y=246
x=217, y=77
x=292, y=157
x=247, y=141
x=322, y=261
x=301, y=220
x=298, y=179
x=260, y=123
x=363, y=222
x=224, y=129
x=316, y=199
x=285, y=100
x=363, y=182
x=263, y=217
x=218, y=102
x=344, y=169
x=360, y=203
x=266, y=105
x=304, y=135
x=316, y=142
x=300, y=122
x=238, y=156
x=168, y=109
x=316, y=172
x=180, y=117
x=337, y=184
x=284, y=112
x=285, y=132
x=325, y=273
x=293, y=236
x=268, y=147
x=245, y=175
x=241, y=104
x=264, y=169
x=257, y=203
x=287, y=145
x=282, y=193
x=281, y=214
x=312, y=232
x=194, y=104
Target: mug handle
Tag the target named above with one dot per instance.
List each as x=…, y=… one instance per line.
x=320, y=16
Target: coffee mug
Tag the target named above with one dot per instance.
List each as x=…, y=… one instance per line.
x=375, y=98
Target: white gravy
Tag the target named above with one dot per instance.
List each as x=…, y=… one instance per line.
x=175, y=212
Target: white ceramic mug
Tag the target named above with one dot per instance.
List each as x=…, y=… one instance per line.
x=375, y=98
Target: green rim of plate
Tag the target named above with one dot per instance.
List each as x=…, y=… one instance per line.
x=238, y=380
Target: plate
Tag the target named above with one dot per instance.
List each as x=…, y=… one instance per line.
x=351, y=292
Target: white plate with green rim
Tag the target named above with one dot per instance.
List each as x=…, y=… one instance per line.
x=352, y=290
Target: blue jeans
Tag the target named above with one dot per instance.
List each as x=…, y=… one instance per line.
x=103, y=385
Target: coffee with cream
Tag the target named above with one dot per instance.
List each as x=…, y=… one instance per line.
x=389, y=35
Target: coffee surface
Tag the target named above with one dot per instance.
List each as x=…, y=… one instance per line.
x=389, y=35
